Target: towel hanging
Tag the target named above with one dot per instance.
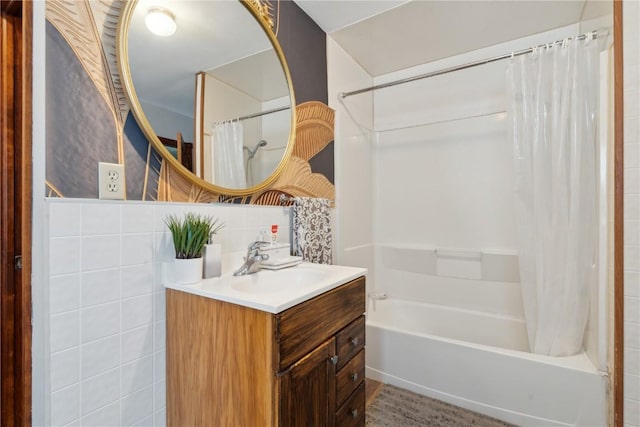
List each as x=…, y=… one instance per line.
x=312, y=238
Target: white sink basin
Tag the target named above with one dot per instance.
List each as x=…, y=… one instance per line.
x=274, y=290
x=290, y=279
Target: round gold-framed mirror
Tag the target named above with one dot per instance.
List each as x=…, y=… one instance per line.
x=225, y=66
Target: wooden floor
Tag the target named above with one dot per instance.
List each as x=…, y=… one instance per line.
x=372, y=389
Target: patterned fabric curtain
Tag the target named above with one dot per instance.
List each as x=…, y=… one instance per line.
x=312, y=229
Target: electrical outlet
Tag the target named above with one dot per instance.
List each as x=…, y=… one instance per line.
x=111, y=183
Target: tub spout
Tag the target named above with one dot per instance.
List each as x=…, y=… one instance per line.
x=373, y=296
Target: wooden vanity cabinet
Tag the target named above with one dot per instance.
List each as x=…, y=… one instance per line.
x=230, y=365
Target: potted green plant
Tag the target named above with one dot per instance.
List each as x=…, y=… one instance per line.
x=190, y=234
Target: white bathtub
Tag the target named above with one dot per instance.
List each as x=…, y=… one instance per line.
x=479, y=361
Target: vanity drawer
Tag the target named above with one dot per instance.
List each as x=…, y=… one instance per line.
x=352, y=412
x=349, y=377
x=305, y=326
x=349, y=341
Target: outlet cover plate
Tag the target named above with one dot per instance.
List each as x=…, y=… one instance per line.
x=111, y=182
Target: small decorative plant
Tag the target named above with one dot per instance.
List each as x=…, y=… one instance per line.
x=191, y=233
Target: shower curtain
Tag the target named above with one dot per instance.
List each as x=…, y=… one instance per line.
x=553, y=97
x=227, y=156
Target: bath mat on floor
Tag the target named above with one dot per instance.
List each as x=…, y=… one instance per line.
x=395, y=407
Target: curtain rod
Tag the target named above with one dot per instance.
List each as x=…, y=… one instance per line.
x=262, y=113
x=469, y=65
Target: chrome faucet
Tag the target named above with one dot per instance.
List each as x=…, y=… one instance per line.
x=252, y=261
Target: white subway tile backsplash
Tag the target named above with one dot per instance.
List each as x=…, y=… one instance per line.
x=100, y=356
x=137, y=311
x=137, y=218
x=137, y=374
x=631, y=131
x=159, y=306
x=159, y=335
x=136, y=343
x=137, y=280
x=64, y=405
x=64, y=293
x=631, y=412
x=632, y=283
x=159, y=365
x=237, y=216
x=64, y=331
x=631, y=386
x=160, y=418
x=100, y=218
x=147, y=422
x=631, y=104
x=632, y=258
x=632, y=335
x=137, y=249
x=632, y=155
x=137, y=406
x=106, y=416
x=100, y=391
x=100, y=252
x=100, y=321
x=631, y=19
x=64, y=255
x=632, y=181
x=100, y=286
x=107, y=303
x=64, y=368
x=632, y=309
x=159, y=395
x=632, y=360
x=163, y=247
x=632, y=207
x=162, y=212
x=64, y=219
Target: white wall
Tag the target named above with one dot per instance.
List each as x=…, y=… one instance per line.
x=224, y=102
x=353, y=161
x=631, y=53
x=275, y=130
x=106, y=308
x=444, y=227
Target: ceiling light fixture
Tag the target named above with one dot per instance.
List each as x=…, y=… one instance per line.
x=160, y=22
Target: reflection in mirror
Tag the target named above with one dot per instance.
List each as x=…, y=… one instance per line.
x=215, y=89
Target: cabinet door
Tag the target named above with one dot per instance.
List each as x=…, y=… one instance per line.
x=308, y=390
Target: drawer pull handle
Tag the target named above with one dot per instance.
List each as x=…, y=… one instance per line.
x=355, y=341
x=334, y=359
x=354, y=377
x=354, y=413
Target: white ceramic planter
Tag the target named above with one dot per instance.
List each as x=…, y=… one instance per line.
x=188, y=271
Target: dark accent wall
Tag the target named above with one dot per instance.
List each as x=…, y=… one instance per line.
x=81, y=131
x=304, y=45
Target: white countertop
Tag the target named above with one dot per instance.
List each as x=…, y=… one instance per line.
x=273, y=290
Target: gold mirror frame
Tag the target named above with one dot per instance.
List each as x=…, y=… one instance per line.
x=122, y=53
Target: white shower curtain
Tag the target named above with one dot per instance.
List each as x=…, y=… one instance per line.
x=227, y=156
x=553, y=109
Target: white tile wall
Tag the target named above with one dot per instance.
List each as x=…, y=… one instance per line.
x=631, y=33
x=107, y=303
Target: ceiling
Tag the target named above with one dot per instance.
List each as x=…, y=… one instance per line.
x=385, y=36
x=211, y=34
x=382, y=35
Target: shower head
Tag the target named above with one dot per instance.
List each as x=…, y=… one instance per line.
x=253, y=152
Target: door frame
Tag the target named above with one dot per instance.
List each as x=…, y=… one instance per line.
x=15, y=210
x=618, y=220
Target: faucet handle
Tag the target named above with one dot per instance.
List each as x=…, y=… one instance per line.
x=257, y=244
